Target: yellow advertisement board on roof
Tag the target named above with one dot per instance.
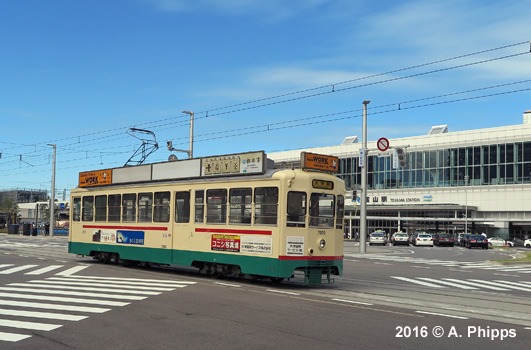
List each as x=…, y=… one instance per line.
x=95, y=178
x=319, y=162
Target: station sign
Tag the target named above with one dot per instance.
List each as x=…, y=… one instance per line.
x=319, y=162
x=95, y=178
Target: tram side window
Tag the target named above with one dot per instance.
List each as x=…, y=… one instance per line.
x=216, y=206
x=100, y=208
x=161, y=207
x=115, y=206
x=340, y=211
x=88, y=208
x=129, y=207
x=199, y=206
x=182, y=207
x=322, y=208
x=77, y=209
x=266, y=206
x=145, y=204
x=296, y=209
x=240, y=205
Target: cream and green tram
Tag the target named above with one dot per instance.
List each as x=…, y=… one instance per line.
x=277, y=223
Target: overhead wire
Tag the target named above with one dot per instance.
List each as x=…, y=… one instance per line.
x=185, y=122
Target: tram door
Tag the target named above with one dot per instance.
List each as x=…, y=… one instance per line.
x=183, y=223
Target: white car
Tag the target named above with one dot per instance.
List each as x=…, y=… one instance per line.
x=378, y=237
x=499, y=242
x=527, y=243
x=399, y=238
x=423, y=239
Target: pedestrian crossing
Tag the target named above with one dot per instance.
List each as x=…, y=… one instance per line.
x=468, y=284
x=459, y=264
x=46, y=304
x=33, y=270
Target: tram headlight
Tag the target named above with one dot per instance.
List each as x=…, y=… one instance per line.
x=322, y=243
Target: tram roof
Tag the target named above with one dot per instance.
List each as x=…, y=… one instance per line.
x=250, y=165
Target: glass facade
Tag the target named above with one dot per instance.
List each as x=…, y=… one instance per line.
x=493, y=164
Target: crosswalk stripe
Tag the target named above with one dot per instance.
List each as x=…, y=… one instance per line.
x=13, y=337
x=73, y=270
x=132, y=279
x=82, y=294
x=44, y=270
x=505, y=285
x=479, y=284
x=64, y=299
x=5, y=265
x=16, y=269
x=93, y=284
x=91, y=289
x=29, y=325
x=37, y=314
x=447, y=283
x=418, y=282
x=54, y=306
x=117, y=281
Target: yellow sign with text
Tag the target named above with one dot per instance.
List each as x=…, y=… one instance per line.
x=95, y=178
x=319, y=162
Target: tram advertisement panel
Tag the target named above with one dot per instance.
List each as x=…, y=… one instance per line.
x=95, y=178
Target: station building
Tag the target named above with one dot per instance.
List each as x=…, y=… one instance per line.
x=477, y=181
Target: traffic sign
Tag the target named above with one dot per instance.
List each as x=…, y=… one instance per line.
x=383, y=144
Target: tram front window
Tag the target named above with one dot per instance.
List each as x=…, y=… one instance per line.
x=322, y=207
x=296, y=209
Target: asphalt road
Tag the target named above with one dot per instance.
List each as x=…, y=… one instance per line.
x=391, y=297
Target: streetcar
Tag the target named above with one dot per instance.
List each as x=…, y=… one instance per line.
x=224, y=215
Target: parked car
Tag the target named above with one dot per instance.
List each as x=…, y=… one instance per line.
x=447, y=239
x=499, y=242
x=378, y=237
x=527, y=243
x=477, y=241
x=424, y=239
x=399, y=238
x=464, y=239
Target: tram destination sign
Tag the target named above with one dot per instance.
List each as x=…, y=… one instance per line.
x=319, y=162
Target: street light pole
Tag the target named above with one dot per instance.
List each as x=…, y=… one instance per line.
x=363, y=197
x=191, y=149
x=52, y=198
x=466, y=203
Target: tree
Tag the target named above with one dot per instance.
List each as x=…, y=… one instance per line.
x=9, y=208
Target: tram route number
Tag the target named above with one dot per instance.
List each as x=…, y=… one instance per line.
x=321, y=233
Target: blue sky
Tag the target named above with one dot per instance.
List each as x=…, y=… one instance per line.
x=260, y=75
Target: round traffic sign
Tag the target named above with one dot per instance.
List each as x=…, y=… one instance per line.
x=383, y=144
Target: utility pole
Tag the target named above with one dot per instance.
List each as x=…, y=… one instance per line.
x=52, y=198
x=363, y=196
